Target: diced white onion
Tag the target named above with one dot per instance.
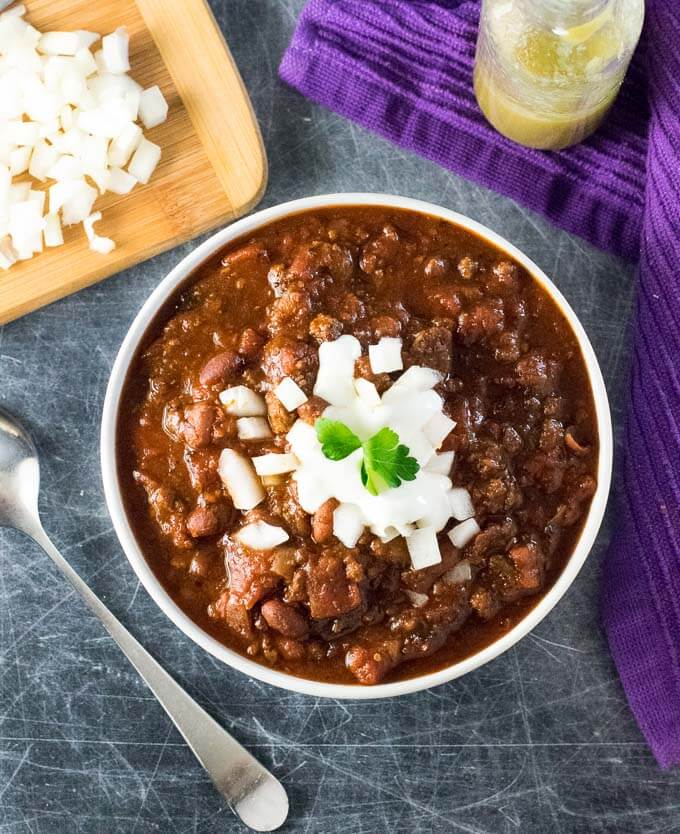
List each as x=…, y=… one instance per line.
x=348, y=524
x=367, y=392
x=464, y=532
x=441, y=463
x=124, y=145
x=262, y=536
x=461, y=573
x=290, y=394
x=66, y=43
x=274, y=464
x=102, y=245
x=335, y=379
x=66, y=115
x=385, y=357
x=419, y=600
x=120, y=182
x=240, y=480
x=461, y=504
x=144, y=160
x=153, y=108
x=8, y=254
x=115, y=51
x=52, y=231
x=415, y=378
x=423, y=548
x=243, y=402
x=253, y=428
x=438, y=428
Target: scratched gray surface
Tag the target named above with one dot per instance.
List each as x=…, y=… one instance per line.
x=538, y=741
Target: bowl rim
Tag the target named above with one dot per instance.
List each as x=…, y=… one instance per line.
x=114, y=501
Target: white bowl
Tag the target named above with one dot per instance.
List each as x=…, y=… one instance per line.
x=179, y=274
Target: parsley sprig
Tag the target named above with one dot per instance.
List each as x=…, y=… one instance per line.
x=386, y=462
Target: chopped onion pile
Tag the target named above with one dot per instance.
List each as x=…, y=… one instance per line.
x=418, y=510
x=68, y=121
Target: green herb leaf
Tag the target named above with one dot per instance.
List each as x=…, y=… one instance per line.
x=337, y=440
x=387, y=462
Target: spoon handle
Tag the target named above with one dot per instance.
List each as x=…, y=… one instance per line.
x=250, y=790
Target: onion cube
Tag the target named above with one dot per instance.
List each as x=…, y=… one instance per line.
x=335, y=379
x=461, y=504
x=417, y=599
x=423, y=548
x=43, y=158
x=442, y=463
x=385, y=357
x=438, y=428
x=253, y=428
x=261, y=536
x=275, y=464
x=124, y=145
x=66, y=43
x=8, y=254
x=85, y=62
x=19, y=160
x=144, y=160
x=52, y=231
x=348, y=524
x=367, y=392
x=101, y=245
x=115, y=48
x=460, y=574
x=243, y=402
x=153, y=108
x=290, y=394
x=240, y=480
x=464, y=532
x=120, y=182
x=415, y=378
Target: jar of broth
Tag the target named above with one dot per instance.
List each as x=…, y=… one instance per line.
x=547, y=71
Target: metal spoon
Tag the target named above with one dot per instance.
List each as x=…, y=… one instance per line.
x=251, y=791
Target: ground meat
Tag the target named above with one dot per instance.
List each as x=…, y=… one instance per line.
x=467, y=267
x=330, y=591
x=286, y=619
x=283, y=502
x=325, y=328
x=529, y=564
x=280, y=419
x=167, y=510
x=538, y=372
x=369, y=664
x=284, y=357
x=362, y=369
x=481, y=320
x=312, y=410
x=379, y=252
x=234, y=614
x=290, y=315
x=250, y=572
x=432, y=348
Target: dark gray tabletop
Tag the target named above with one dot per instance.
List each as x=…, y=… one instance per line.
x=540, y=740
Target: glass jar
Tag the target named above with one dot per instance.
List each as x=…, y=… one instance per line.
x=547, y=71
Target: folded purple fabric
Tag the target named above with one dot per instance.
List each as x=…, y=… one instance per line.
x=403, y=68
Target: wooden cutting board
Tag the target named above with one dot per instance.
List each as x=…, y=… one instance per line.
x=213, y=167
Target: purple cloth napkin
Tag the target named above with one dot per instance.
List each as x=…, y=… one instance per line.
x=403, y=68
